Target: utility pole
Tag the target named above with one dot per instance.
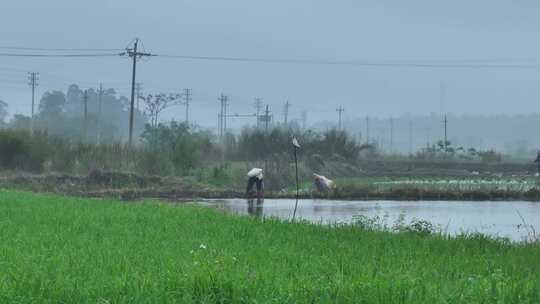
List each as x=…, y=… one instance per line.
x=222, y=115
x=187, y=99
x=286, y=112
x=367, y=129
x=134, y=54
x=266, y=118
x=428, y=137
x=33, y=77
x=410, y=137
x=138, y=89
x=340, y=112
x=391, y=135
x=442, y=95
x=258, y=107
x=85, y=101
x=445, y=134
x=304, y=120
x=225, y=114
x=100, y=97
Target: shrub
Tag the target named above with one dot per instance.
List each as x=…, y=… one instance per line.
x=315, y=162
x=13, y=149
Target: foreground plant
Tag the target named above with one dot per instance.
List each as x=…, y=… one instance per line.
x=65, y=250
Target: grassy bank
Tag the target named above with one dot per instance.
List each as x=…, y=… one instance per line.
x=130, y=186
x=65, y=250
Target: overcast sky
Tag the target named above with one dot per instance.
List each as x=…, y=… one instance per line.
x=454, y=32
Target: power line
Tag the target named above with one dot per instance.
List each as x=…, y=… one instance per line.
x=57, y=49
x=468, y=63
x=354, y=63
x=62, y=55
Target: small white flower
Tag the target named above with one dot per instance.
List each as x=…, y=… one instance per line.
x=202, y=246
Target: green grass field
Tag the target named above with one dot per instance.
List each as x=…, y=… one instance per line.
x=65, y=250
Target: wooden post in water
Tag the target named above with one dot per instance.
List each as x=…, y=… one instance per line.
x=296, y=146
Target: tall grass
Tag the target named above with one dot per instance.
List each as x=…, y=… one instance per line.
x=65, y=250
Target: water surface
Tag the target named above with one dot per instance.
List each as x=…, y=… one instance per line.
x=500, y=219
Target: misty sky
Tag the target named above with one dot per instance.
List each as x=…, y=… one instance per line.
x=493, y=32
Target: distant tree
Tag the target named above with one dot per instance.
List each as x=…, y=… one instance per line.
x=52, y=104
x=155, y=104
x=61, y=113
x=490, y=156
x=184, y=146
x=3, y=112
x=20, y=121
x=73, y=106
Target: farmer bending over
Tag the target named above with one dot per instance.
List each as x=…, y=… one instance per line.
x=537, y=162
x=255, y=177
x=323, y=184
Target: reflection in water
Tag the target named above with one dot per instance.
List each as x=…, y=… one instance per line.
x=492, y=218
x=255, y=207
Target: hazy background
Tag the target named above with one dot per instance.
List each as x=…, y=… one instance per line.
x=456, y=32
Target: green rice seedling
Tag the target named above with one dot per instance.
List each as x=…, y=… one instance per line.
x=57, y=249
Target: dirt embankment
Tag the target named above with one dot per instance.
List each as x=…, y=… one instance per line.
x=128, y=186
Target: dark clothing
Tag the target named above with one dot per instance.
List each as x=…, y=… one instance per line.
x=257, y=182
x=537, y=162
x=321, y=187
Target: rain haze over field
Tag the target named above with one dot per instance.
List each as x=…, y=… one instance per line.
x=417, y=57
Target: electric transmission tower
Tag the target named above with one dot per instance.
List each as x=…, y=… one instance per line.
x=33, y=77
x=222, y=115
x=445, y=134
x=266, y=117
x=410, y=137
x=304, y=120
x=258, y=107
x=187, y=99
x=85, y=102
x=367, y=129
x=99, y=119
x=286, y=113
x=340, y=113
x=391, y=135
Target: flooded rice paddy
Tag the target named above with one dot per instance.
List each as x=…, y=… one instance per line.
x=496, y=218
